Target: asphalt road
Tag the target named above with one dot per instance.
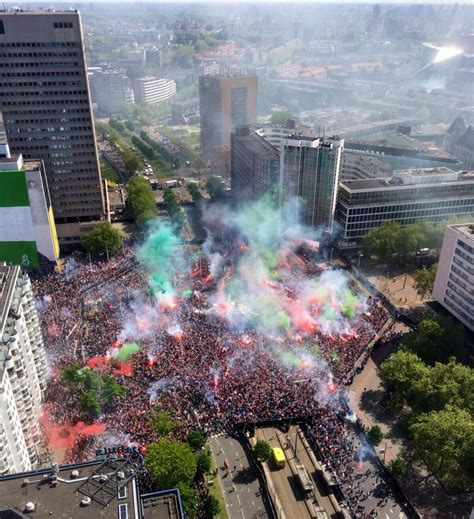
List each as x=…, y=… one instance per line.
x=240, y=486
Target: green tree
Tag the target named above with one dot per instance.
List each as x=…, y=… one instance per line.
x=188, y=498
x=437, y=339
x=281, y=117
x=110, y=389
x=262, y=450
x=116, y=125
x=445, y=440
x=196, y=440
x=397, y=467
x=203, y=462
x=71, y=375
x=170, y=462
x=451, y=384
x=89, y=404
x=408, y=240
x=162, y=423
x=381, y=241
x=103, y=238
x=403, y=374
x=141, y=200
x=375, y=435
x=215, y=187
x=212, y=506
x=424, y=280
x=193, y=190
x=132, y=164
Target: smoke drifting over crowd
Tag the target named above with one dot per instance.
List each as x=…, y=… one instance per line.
x=249, y=326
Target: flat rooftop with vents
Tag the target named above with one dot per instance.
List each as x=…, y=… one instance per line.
x=96, y=489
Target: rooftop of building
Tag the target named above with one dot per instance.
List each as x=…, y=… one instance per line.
x=365, y=147
x=410, y=177
x=258, y=145
x=466, y=229
x=14, y=164
x=35, y=11
x=82, y=491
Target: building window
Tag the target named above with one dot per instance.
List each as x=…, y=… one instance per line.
x=122, y=493
x=2, y=27
x=123, y=511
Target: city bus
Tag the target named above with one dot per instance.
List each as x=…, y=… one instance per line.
x=278, y=457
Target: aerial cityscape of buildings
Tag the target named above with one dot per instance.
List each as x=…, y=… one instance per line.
x=236, y=260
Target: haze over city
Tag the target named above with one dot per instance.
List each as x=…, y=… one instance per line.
x=236, y=259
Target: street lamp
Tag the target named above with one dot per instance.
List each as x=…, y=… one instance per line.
x=361, y=255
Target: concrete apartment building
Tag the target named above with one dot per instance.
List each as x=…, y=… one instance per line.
x=435, y=194
x=110, y=89
x=224, y=103
x=309, y=173
x=153, y=90
x=454, y=284
x=22, y=372
x=45, y=100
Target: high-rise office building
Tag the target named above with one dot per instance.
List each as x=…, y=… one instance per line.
x=110, y=89
x=44, y=97
x=22, y=372
x=255, y=165
x=224, y=103
x=454, y=282
x=309, y=173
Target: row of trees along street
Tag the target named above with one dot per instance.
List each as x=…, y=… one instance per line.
x=432, y=396
x=180, y=464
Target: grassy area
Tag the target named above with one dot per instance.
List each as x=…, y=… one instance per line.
x=189, y=138
x=124, y=142
x=108, y=172
x=216, y=491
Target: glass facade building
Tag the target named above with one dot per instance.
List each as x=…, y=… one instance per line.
x=309, y=173
x=432, y=194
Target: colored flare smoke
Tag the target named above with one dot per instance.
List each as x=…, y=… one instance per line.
x=159, y=255
x=64, y=436
x=126, y=351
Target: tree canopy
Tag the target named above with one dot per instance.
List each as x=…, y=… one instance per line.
x=391, y=241
x=262, y=450
x=196, y=440
x=141, y=200
x=424, y=280
x=173, y=207
x=375, y=434
x=445, y=440
x=162, y=423
x=437, y=339
x=102, y=239
x=170, y=462
x=440, y=401
x=281, y=117
x=215, y=187
x=95, y=391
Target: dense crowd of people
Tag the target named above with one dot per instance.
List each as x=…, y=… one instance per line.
x=205, y=374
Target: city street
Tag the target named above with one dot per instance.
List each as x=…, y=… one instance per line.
x=239, y=483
